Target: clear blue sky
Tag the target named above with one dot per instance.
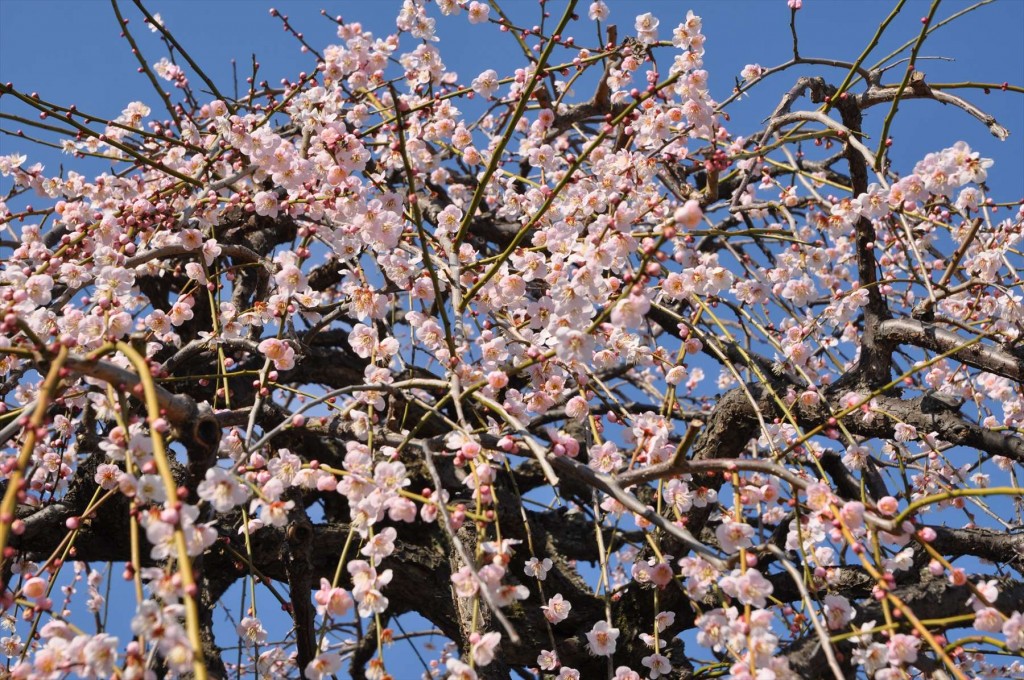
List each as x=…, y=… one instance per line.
x=69, y=51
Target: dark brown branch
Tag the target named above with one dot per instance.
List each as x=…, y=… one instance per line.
x=949, y=425
x=928, y=599
x=928, y=336
x=874, y=367
x=879, y=95
x=299, y=535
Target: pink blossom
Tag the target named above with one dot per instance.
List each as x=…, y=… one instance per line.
x=988, y=591
x=557, y=609
x=734, y=535
x=647, y=28
x=465, y=582
x=689, y=215
x=852, y=513
x=661, y=574
x=598, y=11
x=380, y=545
x=280, y=352
x=838, y=611
x=222, y=490
x=484, y=648
x=251, y=631
x=324, y=665
x=903, y=432
x=903, y=648
x=547, y=660
x=819, y=495
x=266, y=203
x=888, y=505
x=988, y=619
x=601, y=640
x=478, y=12
x=658, y=664
x=678, y=495
x=538, y=568
x=34, y=588
x=629, y=313
x=107, y=476
x=749, y=587
x=1013, y=629
x=457, y=670
x=332, y=601
x=751, y=72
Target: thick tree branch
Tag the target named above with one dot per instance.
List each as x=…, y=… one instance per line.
x=930, y=336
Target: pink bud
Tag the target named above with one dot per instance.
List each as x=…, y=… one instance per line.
x=888, y=505
x=35, y=587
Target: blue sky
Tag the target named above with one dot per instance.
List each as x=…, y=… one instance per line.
x=69, y=52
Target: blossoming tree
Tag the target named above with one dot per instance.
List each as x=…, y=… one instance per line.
x=555, y=358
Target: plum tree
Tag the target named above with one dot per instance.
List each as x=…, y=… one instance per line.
x=554, y=358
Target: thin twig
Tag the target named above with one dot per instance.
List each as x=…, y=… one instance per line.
x=460, y=548
x=823, y=636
